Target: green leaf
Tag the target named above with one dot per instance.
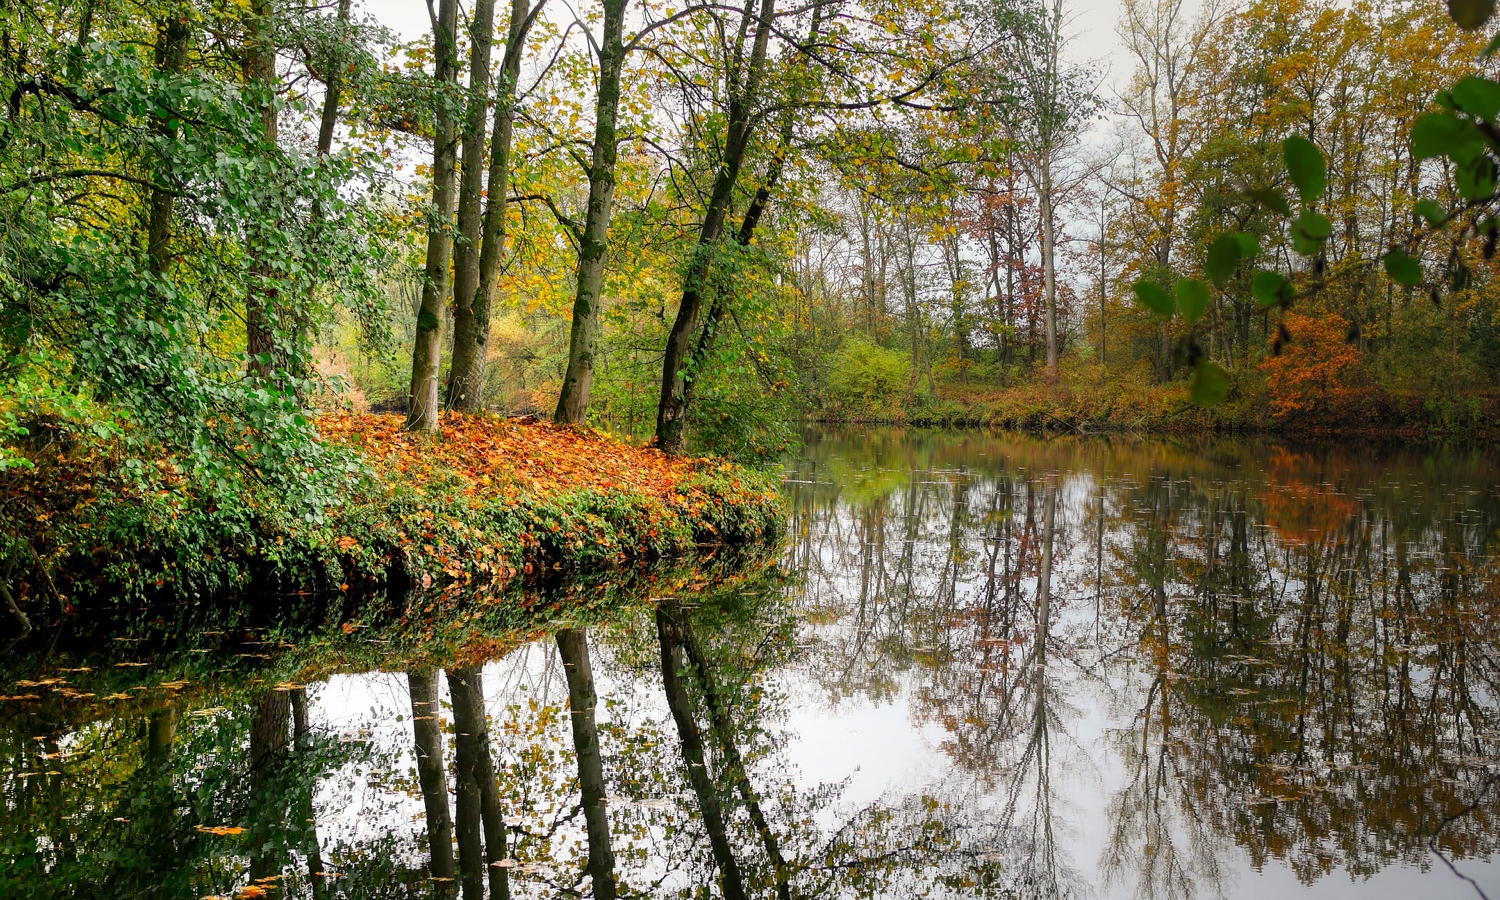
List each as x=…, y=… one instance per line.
x=1476, y=179
x=1151, y=296
x=1223, y=256
x=1270, y=288
x=1402, y=268
x=1470, y=14
x=1479, y=97
x=1249, y=246
x=1443, y=134
x=1314, y=225
x=1210, y=384
x=1309, y=231
x=1432, y=211
x=1304, y=163
x=1192, y=299
x=1270, y=199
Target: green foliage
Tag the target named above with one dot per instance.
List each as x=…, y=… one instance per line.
x=147, y=344
x=1402, y=268
x=1210, y=384
x=1306, y=168
x=1271, y=288
x=1192, y=299
x=865, y=375
x=1223, y=257
x=1153, y=298
x=1471, y=14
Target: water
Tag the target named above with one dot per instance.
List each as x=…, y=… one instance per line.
x=1253, y=672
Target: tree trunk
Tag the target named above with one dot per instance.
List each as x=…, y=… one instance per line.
x=171, y=58
x=593, y=240
x=259, y=70
x=471, y=862
x=718, y=718
x=671, y=408
x=466, y=242
x=753, y=214
x=1049, y=269
x=161, y=732
x=301, y=738
x=471, y=341
x=730, y=882
x=427, y=734
x=422, y=400
x=573, y=647
x=472, y=750
x=333, y=81
x=1044, y=576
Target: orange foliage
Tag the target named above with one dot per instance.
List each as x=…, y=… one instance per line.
x=1315, y=373
x=507, y=457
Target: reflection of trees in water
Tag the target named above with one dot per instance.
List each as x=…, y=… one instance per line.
x=1306, y=643
x=967, y=609
x=174, y=802
x=1331, y=693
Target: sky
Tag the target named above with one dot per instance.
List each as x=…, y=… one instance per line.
x=1093, y=27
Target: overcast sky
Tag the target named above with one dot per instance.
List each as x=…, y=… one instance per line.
x=1093, y=26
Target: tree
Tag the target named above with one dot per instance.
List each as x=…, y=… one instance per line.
x=1056, y=102
x=743, y=79
x=593, y=237
x=432, y=775
x=482, y=253
x=422, y=398
x=573, y=648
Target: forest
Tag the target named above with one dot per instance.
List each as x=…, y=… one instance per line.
x=695, y=224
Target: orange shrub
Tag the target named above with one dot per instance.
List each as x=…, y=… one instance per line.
x=1315, y=375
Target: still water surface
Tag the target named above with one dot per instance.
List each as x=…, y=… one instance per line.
x=981, y=665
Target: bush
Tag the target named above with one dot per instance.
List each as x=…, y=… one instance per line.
x=1314, y=377
x=867, y=376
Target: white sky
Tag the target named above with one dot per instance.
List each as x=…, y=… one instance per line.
x=1093, y=25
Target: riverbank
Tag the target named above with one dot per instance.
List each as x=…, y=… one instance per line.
x=487, y=500
x=1089, y=399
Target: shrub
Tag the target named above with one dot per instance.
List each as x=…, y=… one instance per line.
x=1314, y=376
x=866, y=375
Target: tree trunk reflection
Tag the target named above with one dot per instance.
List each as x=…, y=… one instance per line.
x=432, y=775
x=573, y=647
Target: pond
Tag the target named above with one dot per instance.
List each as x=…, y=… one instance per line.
x=982, y=664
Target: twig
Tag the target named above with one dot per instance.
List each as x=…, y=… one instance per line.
x=1432, y=841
